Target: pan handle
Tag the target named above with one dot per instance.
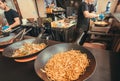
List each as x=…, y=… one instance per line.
x=18, y=34
x=41, y=33
x=14, y=29
x=25, y=32
x=81, y=34
x=13, y=39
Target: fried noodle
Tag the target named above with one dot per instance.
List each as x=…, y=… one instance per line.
x=28, y=48
x=66, y=66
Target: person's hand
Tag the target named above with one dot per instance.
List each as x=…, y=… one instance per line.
x=101, y=16
x=9, y=29
x=6, y=29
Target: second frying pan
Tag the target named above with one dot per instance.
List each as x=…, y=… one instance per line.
x=47, y=53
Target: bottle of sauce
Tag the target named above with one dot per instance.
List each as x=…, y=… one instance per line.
x=108, y=7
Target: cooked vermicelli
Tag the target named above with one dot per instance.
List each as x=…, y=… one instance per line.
x=28, y=48
x=66, y=66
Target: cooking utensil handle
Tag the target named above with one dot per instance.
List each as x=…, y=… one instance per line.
x=41, y=33
x=18, y=34
x=22, y=34
x=25, y=32
x=12, y=40
x=81, y=34
x=14, y=29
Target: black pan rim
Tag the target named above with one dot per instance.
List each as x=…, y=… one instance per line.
x=22, y=57
x=93, y=68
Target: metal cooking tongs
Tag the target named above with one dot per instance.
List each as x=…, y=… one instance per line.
x=7, y=33
x=10, y=31
x=24, y=32
x=11, y=40
x=21, y=34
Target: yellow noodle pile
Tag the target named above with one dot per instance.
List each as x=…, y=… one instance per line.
x=66, y=66
x=28, y=48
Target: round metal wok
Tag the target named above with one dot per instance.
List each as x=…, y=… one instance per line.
x=9, y=51
x=3, y=40
x=97, y=23
x=47, y=53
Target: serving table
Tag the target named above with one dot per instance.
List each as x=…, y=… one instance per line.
x=64, y=31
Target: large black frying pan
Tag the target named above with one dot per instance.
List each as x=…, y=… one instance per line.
x=47, y=53
x=9, y=39
x=9, y=51
x=98, y=23
x=5, y=41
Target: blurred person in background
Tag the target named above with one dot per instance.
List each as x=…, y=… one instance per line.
x=85, y=12
x=12, y=17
